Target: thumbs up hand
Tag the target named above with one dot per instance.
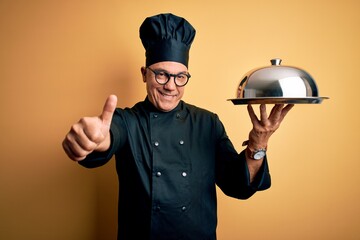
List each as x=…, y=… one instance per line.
x=90, y=133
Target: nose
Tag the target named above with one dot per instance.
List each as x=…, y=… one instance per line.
x=170, y=85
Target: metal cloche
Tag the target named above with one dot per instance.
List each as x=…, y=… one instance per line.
x=277, y=84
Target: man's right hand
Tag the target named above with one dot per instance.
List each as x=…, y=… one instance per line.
x=90, y=133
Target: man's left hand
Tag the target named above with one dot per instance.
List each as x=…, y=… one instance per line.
x=264, y=127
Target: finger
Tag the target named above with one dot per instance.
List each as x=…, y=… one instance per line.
x=276, y=111
x=67, y=150
x=70, y=152
x=85, y=133
x=252, y=114
x=71, y=155
x=74, y=147
x=285, y=111
x=263, y=114
x=85, y=142
x=275, y=108
x=108, y=110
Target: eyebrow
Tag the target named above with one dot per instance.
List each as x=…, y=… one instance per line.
x=163, y=70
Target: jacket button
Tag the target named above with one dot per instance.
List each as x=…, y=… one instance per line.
x=156, y=144
x=184, y=174
x=183, y=208
x=181, y=142
x=158, y=174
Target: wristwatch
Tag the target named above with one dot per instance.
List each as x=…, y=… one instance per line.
x=256, y=154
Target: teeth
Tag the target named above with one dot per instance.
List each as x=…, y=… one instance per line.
x=166, y=95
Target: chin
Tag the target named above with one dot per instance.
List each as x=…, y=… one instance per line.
x=167, y=107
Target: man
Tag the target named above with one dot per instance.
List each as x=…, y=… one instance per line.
x=170, y=155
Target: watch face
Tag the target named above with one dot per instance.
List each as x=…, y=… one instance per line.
x=259, y=155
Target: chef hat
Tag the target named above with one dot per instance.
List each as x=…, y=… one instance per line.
x=166, y=37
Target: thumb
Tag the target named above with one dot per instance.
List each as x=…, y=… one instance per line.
x=108, y=110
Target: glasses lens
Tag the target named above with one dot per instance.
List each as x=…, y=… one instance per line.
x=181, y=79
x=162, y=77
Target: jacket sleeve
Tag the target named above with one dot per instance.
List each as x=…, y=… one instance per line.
x=232, y=173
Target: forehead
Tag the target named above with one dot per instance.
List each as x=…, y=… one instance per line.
x=169, y=66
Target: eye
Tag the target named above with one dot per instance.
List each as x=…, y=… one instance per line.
x=162, y=74
x=181, y=76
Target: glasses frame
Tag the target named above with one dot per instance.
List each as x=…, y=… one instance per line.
x=169, y=75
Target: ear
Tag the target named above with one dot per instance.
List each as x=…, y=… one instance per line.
x=143, y=73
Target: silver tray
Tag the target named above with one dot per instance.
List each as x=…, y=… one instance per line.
x=277, y=100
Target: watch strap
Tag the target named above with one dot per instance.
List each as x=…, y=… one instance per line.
x=252, y=153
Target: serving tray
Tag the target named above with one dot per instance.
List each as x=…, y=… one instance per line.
x=277, y=100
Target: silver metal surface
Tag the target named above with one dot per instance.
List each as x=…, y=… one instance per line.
x=276, y=83
x=279, y=100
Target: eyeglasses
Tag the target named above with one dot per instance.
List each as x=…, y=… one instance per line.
x=163, y=77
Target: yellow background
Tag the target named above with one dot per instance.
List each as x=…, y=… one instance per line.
x=59, y=60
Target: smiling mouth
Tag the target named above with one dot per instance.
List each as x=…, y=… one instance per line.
x=167, y=95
